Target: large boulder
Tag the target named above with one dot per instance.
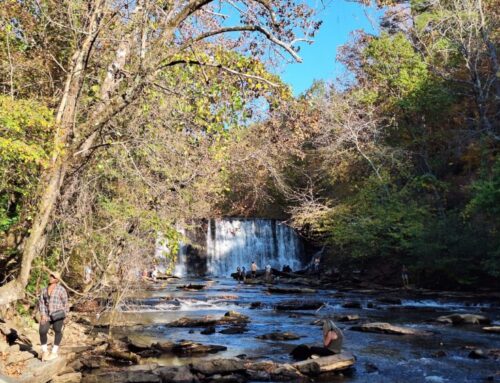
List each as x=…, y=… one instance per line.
x=386, y=328
x=462, y=319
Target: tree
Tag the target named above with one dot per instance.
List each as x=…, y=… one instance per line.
x=104, y=78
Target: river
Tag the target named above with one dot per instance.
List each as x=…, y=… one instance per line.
x=442, y=357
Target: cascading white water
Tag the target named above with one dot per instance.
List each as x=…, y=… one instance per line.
x=239, y=242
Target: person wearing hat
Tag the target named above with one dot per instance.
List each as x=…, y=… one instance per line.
x=53, y=305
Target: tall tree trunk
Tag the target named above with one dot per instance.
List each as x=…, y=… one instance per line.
x=54, y=175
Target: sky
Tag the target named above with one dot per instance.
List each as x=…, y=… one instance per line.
x=340, y=18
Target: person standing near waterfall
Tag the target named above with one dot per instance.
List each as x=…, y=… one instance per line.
x=254, y=267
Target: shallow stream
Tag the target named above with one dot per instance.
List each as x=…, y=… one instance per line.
x=442, y=357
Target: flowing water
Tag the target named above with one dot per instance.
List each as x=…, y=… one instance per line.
x=442, y=357
x=233, y=243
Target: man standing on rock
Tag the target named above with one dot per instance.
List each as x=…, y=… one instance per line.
x=53, y=305
x=254, y=270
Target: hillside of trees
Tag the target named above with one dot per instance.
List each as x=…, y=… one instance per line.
x=122, y=119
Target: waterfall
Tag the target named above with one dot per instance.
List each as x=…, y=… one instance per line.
x=239, y=242
x=181, y=262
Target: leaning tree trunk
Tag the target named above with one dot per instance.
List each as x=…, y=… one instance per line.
x=53, y=176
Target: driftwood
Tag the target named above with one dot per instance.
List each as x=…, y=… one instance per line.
x=492, y=329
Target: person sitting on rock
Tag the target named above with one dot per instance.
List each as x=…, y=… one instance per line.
x=332, y=337
x=332, y=343
x=53, y=306
x=243, y=274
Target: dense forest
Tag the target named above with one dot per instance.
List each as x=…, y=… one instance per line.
x=120, y=120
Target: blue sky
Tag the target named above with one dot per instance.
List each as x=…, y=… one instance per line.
x=340, y=18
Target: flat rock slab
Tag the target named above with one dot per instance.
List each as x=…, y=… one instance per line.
x=460, y=319
x=492, y=329
x=325, y=364
x=387, y=328
x=290, y=290
x=41, y=372
x=299, y=305
x=279, y=336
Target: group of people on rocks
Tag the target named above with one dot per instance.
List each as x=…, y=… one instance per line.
x=241, y=272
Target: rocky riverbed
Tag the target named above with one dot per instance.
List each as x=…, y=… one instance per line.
x=224, y=331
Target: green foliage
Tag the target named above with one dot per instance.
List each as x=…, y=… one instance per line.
x=26, y=128
x=373, y=223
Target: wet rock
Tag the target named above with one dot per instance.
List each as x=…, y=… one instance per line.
x=189, y=348
x=228, y=318
x=123, y=376
x=279, y=336
x=492, y=329
x=208, y=330
x=192, y=287
x=477, y=354
x=389, y=300
x=299, y=305
x=287, y=373
x=352, y=305
x=325, y=364
x=180, y=374
x=234, y=330
x=439, y=354
x=255, y=305
x=370, y=367
x=494, y=353
x=370, y=305
x=347, y=318
x=290, y=290
x=218, y=366
x=460, y=319
x=386, y=328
